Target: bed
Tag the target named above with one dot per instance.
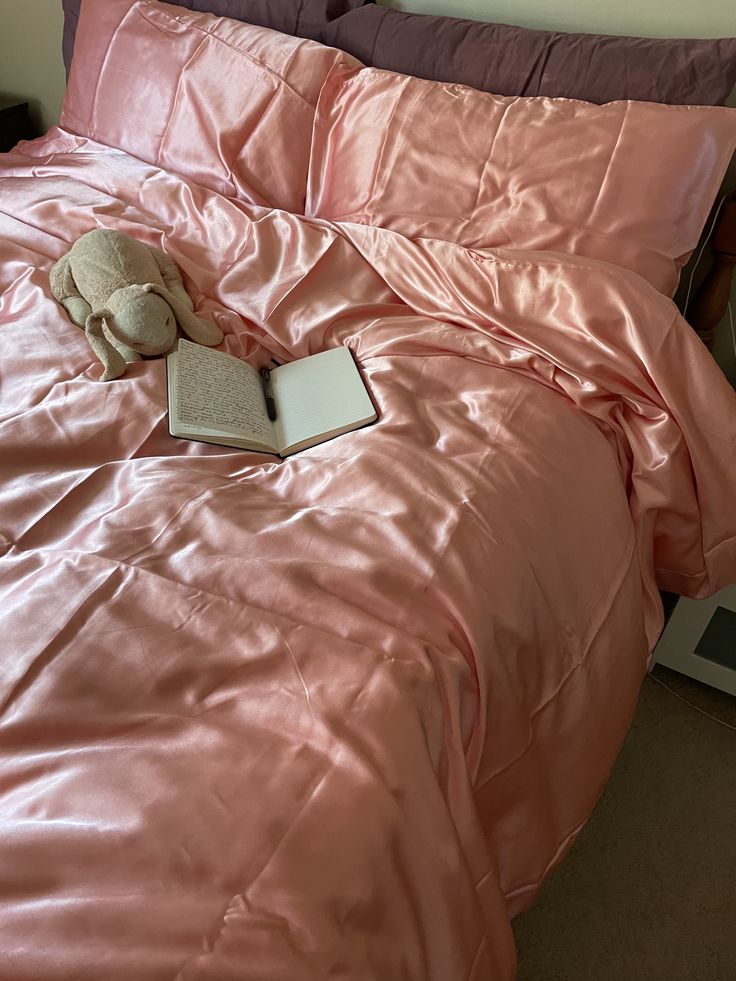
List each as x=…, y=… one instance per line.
x=339, y=716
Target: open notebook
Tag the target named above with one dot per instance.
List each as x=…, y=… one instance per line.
x=217, y=398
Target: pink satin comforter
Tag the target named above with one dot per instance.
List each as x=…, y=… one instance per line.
x=335, y=717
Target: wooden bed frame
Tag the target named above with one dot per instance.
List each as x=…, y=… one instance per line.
x=712, y=298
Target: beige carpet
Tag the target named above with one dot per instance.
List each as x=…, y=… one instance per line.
x=648, y=892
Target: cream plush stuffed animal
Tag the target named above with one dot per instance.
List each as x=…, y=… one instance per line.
x=127, y=297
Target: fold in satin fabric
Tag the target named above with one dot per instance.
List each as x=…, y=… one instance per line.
x=303, y=18
x=226, y=104
x=337, y=716
x=631, y=183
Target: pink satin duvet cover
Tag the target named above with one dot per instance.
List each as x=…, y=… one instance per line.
x=334, y=717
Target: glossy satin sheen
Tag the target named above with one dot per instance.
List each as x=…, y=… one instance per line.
x=304, y=18
x=336, y=716
x=628, y=182
x=226, y=104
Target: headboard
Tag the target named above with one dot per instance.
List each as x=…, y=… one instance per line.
x=712, y=298
x=655, y=18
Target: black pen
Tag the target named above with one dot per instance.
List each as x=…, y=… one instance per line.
x=268, y=393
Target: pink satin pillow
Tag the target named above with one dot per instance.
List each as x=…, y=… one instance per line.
x=227, y=105
x=631, y=183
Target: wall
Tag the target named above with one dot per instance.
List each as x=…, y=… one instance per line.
x=31, y=65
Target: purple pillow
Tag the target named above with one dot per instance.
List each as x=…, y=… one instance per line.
x=301, y=18
x=505, y=60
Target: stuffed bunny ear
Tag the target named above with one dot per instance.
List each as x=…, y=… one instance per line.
x=112, y=360
x=200, y=331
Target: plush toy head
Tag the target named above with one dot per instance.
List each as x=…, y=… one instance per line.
x=144, y=319
x=129, y=298
x=146, y=323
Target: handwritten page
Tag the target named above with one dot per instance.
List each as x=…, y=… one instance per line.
x=216, y=392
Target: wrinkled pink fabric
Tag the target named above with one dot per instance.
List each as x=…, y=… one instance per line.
x=336, y=716
x=226, y=104
x=308, y=18
x=631, y=183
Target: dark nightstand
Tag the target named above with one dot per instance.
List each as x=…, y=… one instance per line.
x=15, y=123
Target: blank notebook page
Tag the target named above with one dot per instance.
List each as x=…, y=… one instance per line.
x=317, y=395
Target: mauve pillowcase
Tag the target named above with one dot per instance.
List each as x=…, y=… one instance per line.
x=631, y=183
x=303, y=18
x=227, y=105
x=506, y=60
